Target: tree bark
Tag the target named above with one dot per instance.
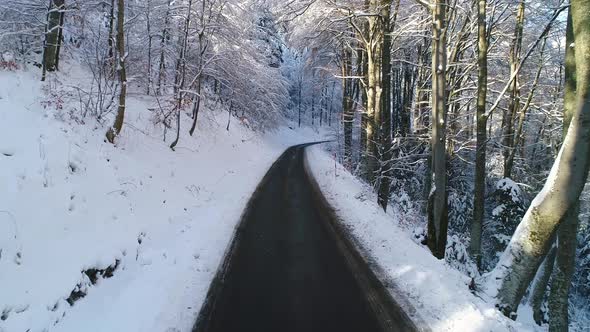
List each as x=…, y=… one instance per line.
x=437, y=209
x=111, y=39
x=202, y=49
x=384, y=124
x=539, y=287
x=514, y=103
x=481, y=137
x=52, y=35
x=149, y=55
x=181, y=73
x=567, y=233
x=62, y=16
x=162, y=66
x=115, y=130
x=347, y=105
x=373, y=53
x=561, y=192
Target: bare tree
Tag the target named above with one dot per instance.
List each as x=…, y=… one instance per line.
x=115, y=130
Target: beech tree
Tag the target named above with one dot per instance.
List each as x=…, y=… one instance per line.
x=561, y=192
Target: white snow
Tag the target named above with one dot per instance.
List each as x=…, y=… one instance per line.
x=439, y=293
x=70, y=202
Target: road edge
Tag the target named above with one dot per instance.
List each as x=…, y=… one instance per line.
x=369, y=273
x=217, y=283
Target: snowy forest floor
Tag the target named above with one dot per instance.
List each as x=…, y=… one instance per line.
x=132, y=234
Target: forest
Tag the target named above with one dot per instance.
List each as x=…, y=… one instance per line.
x=473, y=116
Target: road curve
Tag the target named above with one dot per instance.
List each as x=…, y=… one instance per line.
x=289, y=267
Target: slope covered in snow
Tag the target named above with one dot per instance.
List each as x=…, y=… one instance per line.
x=95, y=237
x=437, y=292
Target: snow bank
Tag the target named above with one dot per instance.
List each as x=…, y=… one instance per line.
x=436, y=291
x=71, y=203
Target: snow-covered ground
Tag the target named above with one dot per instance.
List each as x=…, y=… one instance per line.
x=69, y=202
x=437, y=292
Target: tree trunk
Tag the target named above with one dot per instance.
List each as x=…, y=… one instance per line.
x=196, y=106
x=52, y=34
x=514, y=103
x=111, y=39
x=60, y=36
x=181, y=73
x=362, y=69
x=373, y=53
x=299, y=101
x=202, y=49
x=149, y=55
x=437, y=209
x=162, y=66
x=565, y=265
x=331, y=104
x=540, y=284
x=567, y=233
x=480, y=151
x=347, y=105
x=114, y=131
x=384, y=125
x=561, y=192
x=517, y=137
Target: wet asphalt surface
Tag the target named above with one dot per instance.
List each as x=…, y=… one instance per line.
x=286, y=272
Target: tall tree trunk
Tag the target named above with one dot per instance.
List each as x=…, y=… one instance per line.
x=299, y=100
x=149, y=55
x=561, y=192
x=567, y=232
x=480, y=151
x=200, y=67
x=347, y=105
x=163, y=41
x=329, y=118
x=437, y=207
x=181, y=72
x=111, y=39
x=385, y=108
x=362, y=69
x=60, y=37
x=373, y=52
x=514, y=101
x=517, y=137
x=52, y=34
x=539, y=287
x=114, y=131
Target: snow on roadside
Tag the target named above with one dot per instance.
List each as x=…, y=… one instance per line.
x=70, y=202
x=438, y=293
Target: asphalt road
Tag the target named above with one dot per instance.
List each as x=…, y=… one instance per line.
x=290, y=267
